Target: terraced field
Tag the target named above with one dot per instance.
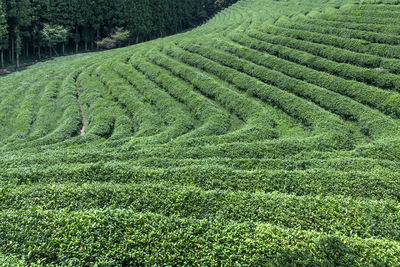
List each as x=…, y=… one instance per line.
x=267, y=136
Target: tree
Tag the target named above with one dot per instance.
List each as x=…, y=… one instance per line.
x=107, y=43
x=64, y=13
x=98, y=8
x=120, y=36
x=3, y=34
x=40, y=16
x=17, y=45
x=18, y=20
x=117, y=39
x=53, y=35
x=90, y=20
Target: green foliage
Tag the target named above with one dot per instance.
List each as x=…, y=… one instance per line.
x=117, y=39
x=269, y=136
x=120, y=35
x=88, y=21
x=3, y=29
x=53, y=34
x=107, y=43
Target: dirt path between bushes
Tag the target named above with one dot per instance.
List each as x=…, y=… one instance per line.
x=78, y=97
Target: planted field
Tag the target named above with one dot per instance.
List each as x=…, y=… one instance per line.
x=268, y=136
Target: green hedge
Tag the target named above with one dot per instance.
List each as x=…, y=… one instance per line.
x=251, y=112
x=377, y=28
x=305, y=111
x=350, y=217
x=175, y=114
x=348, y=109
x=329, y=59
x=252, y=49
x=215, y=120
x=123, y=237
x=341, y=31
x=377, y=183
x=355, y=45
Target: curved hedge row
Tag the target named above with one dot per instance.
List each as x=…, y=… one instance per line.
x=386, y=101
x=261, y=138
x=144, y=239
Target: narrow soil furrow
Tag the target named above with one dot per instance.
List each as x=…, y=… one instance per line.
x=78, y=97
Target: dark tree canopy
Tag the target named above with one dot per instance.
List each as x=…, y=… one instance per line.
x=88, y=21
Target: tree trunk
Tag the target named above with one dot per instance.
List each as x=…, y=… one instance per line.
x=76, y=47
x=51, y=52
x=63, y=49
x=12, y=51
x=55, y=51
x=98, y=37
x=85, y=45
x=17, y=54
x=2, y=58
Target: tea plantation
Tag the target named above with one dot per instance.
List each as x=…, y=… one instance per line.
x=269, y=136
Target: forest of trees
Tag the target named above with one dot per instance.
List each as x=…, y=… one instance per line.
x=31, y=28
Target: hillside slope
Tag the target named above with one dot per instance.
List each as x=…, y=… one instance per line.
x=268, y=136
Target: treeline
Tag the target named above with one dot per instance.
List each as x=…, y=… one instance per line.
x=22, y=21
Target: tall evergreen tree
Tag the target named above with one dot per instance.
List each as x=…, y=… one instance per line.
x=99, y=10
x=53, y=35
x=40, y=16
x=3, y=34
x=18, y=20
